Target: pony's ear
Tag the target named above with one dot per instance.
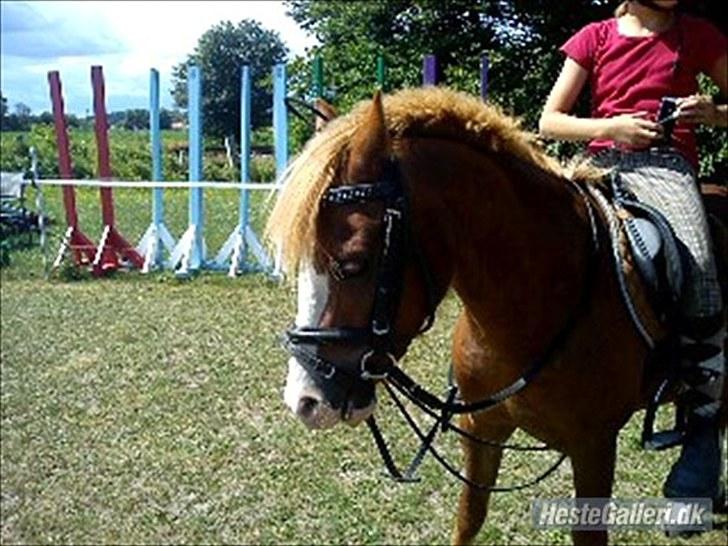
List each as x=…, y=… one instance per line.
x=370, y=148
x=327, y=110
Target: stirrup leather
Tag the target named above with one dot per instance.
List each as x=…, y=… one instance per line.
x=664, y=439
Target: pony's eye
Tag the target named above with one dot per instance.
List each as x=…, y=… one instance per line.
x=343, y=270
x=352, y=268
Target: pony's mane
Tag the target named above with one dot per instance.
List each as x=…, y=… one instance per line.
x=433, y=112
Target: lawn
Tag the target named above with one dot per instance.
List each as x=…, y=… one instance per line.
x=146, y=409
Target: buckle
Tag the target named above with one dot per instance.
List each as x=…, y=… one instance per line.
x=366, y=374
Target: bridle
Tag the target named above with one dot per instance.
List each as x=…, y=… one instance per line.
x=379, y=359
x=378, y=363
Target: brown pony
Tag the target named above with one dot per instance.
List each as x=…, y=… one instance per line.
x=497, y=220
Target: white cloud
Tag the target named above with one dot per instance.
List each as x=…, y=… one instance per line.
x=127, y=38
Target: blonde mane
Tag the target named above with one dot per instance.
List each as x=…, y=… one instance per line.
x=421, y=112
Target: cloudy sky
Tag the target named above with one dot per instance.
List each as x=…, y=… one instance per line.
x=127, y=38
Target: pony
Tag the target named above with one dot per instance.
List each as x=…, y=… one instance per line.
x=490, y=215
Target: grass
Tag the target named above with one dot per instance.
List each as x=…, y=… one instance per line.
x=145, y=409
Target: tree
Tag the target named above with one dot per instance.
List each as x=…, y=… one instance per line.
x=521, y=37
x=456, y=31
x=136, y=119
x=22, y=110
x=18, y=121
x=45, y=118
x=5, y=121
x=220, y=53
x=165, y=119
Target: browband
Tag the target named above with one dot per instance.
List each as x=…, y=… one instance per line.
x=360, y=193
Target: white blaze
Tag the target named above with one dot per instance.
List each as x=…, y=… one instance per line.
x=311, y=299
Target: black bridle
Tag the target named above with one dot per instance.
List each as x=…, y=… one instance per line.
x=378, y=362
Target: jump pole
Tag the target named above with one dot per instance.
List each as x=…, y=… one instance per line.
x=381, y=73
x=484, y=66
x=280, y=139
x=430, y=72
x=112, y=245
x=81, y=247
x=243, y=241
x=318, y=77
x=430, y=75
x=157, y=237
x=280, y=119
x=189, y=254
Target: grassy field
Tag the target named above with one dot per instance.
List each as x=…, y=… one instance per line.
x=146, y=409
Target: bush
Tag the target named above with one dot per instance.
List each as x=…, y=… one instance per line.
x=262, y=168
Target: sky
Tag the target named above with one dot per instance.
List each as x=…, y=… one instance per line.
x=127, y=38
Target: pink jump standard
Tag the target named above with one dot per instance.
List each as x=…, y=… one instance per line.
x=112, y=247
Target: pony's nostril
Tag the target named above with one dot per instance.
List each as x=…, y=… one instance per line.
x=306, y=406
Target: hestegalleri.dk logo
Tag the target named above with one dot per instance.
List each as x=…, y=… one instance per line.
x=593, y=514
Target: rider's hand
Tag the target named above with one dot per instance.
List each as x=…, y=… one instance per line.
x=698, y=109
x=634, y=129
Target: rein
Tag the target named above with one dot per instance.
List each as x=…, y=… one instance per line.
x=378, y=362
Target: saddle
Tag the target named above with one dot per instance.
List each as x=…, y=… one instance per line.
x=660, y=259
x=642, y=236
x=642, y=239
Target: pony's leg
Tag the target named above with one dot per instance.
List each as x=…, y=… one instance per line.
x=593, y=465
x=481, y=466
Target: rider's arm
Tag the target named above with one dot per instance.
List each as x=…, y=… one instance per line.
x=702, y=109
x=557, y=122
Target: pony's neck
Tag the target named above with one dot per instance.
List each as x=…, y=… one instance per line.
x=517, y=239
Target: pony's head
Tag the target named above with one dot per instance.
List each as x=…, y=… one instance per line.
x=366, y=221
x=362, y=295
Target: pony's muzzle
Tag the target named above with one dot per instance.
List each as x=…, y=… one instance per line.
x=321, y=404
x=317, y=413
x=314, y=411
x=306, y=400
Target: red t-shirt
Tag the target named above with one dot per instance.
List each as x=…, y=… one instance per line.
x=629, y=74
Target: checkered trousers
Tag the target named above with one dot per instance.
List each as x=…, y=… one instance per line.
x=665, y=180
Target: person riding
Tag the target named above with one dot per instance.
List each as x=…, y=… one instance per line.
x=649, y=51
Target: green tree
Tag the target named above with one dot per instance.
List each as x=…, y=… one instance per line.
x=6, y=122
x=165, y=119
x=21, y=119
x=220, y=53
x=521, y=37
x=135, y=119
x=45, y=118
x=458, y=32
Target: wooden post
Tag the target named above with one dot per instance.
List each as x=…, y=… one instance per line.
x=243, y=241
x=280, y=119
x=484, y=65
x=112, y=245
x=82, y=248
x=280, y=137
x=189, y=254
x=157, y=236
x=318, y=77
x=381, y=73
x=429, y=70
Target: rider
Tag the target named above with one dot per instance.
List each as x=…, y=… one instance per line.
x=648, y=51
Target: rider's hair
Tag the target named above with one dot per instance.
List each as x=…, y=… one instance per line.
x=621, y=9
